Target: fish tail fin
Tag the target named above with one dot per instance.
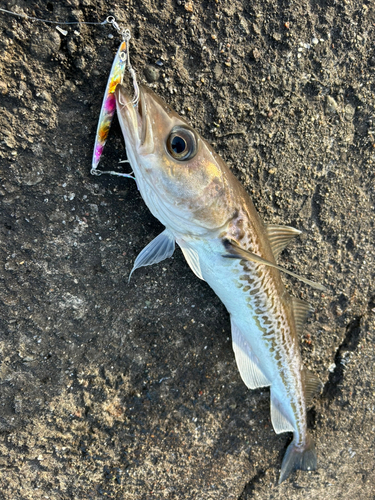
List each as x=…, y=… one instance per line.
x=297, y=457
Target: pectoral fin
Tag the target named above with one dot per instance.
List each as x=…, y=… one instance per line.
x=158, y=249
x=236, y=252
x=247, y=362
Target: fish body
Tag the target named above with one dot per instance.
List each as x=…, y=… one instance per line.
x=207, y=212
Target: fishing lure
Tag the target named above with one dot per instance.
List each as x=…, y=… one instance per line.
x=109, y=104
x=120, y=63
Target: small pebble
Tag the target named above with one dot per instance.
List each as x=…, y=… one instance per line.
x=349, y=112
x=44, y=45
x=331, y=104
x=71, y=46
x=151, y=74
x=256, y=54
x=80, y=63
x=3, y=88
x=94, y=207
x=60, y=30
x=189, y=7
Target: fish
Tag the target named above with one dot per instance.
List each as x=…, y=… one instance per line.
x=205, y=210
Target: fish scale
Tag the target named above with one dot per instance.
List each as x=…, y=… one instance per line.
x=274, y=339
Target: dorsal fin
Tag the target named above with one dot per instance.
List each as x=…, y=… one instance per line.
x=279, y=237
x=301, y=310
x=313, y=386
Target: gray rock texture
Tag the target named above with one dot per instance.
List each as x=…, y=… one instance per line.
x=121, y=390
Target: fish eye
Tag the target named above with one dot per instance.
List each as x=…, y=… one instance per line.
x=182, y=143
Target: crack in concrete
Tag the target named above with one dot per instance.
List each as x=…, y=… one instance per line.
x=349, y=344
x=251, y=485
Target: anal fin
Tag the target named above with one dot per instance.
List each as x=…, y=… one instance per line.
x=279, y=420
x=248, y=364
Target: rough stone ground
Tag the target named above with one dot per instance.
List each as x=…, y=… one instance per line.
x=121, y=390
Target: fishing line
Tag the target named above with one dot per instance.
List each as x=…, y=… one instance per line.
x=121, y=62
x=125, y=34
x=30, y=18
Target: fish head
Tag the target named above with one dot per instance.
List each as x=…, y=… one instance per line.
x=183, y=182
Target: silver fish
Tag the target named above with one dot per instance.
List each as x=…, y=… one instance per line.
x=204, y=208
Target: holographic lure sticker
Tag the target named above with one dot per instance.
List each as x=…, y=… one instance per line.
x=109, y=103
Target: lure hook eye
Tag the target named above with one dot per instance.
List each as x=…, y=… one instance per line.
x=182, y=143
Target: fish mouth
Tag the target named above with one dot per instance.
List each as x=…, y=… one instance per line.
x=133, y=117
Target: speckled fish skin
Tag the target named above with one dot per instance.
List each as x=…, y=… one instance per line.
x=205, y=210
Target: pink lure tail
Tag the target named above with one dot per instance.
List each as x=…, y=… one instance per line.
x=298, y=458
x=109, y=104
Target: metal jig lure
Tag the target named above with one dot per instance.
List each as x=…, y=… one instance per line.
x=120, y=64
